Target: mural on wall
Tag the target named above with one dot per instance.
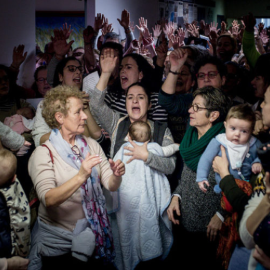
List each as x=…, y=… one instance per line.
x=46, y=22
x=178, y=12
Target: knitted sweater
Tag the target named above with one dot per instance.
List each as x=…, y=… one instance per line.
x=197, y=207
x=10, y=138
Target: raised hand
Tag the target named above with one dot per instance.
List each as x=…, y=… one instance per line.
x=193, y=30
x=88, y=34
x=260, y=27
x=177, y=59
x=202, y=25
x=161, y=51
x=18, y=56
x=66, y=30
x=213, y=27
x=207, y=30
x=132, y=26
x=99, y=22
x=264, y=37
x=223, y=27
x=107, y=28
x=250, y=22
x=181, y=33
x=108, y=61
x=210, y=49
x=175, y=42
x=60, y=45
x=156, y=31
x=124, y=22
x=168, y=29
x=118, y=167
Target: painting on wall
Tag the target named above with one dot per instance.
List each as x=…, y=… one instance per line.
x=47, y=21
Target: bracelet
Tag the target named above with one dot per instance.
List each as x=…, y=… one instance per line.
x=127, y=30
x=174, y=73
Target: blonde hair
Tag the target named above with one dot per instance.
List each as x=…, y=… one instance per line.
x=8, y=166
x=57, y=100
x=243, y=112
x=139, y=135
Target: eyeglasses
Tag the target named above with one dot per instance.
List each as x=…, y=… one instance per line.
x=77, y=54
x=73, y=68
x=210, y=75
x=4, y=79
x=42, y=80
x=196, y=108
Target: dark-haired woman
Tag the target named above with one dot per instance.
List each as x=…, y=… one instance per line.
x=137, y=105
x=68, y=72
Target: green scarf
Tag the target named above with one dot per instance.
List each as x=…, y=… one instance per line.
x=191, y=148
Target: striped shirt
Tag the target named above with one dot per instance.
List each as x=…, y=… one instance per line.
x=118, y=104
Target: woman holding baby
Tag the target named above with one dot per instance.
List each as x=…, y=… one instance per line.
x=145, y=207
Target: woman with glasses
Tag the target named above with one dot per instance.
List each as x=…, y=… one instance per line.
x=198, y=214
x=68, y=72
x=72, y=230
x=41, y=85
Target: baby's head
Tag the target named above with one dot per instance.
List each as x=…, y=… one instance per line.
x=26, y=112
x=139, y=131
x=239, y=124
x=8, y=167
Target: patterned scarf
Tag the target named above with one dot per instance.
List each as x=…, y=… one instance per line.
x=191, y=148
x=93, y=201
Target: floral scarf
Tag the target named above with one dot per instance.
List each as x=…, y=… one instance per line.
x=93, y=201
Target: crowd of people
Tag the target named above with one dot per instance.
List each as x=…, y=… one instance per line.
x=142, y=152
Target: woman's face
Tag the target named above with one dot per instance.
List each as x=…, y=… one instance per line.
x=42, y=83
x=198, y=119
x=129, y=72
x=137, y=104
x=225, y=49
x=73, y=123
x=266, y=108
x=259, y=86
x=72, y=76
x=4, y=83
x=216, y=82
x=184, y=81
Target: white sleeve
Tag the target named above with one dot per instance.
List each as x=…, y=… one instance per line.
x=169, y=150
x=40, y=127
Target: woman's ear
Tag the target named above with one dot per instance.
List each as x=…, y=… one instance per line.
x=225, y=124
x=60, y=76
x=59, y=118
x=140, y=75
x=214, y=116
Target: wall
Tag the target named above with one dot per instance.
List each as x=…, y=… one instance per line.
x=141, y=8
x=236, y=9
x=17, y=20
x=59, y=5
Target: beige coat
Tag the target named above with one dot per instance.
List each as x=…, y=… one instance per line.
x=46, y=176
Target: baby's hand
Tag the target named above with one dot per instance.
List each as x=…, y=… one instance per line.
x=26, y=112
x=256, y=168
x=201, y=185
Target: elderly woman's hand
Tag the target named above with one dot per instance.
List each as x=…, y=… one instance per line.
x=87, y=165
x=118, y=167
x=213, y=227
x=174, y=207
x=137, y=151
x=221, y=164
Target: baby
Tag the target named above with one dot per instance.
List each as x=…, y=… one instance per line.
x=239, y=144
x=14, y=201
x=140, y=131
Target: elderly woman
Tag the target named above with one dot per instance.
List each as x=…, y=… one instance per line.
x=139, y=242
x=67, y=174
x=200, y=213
